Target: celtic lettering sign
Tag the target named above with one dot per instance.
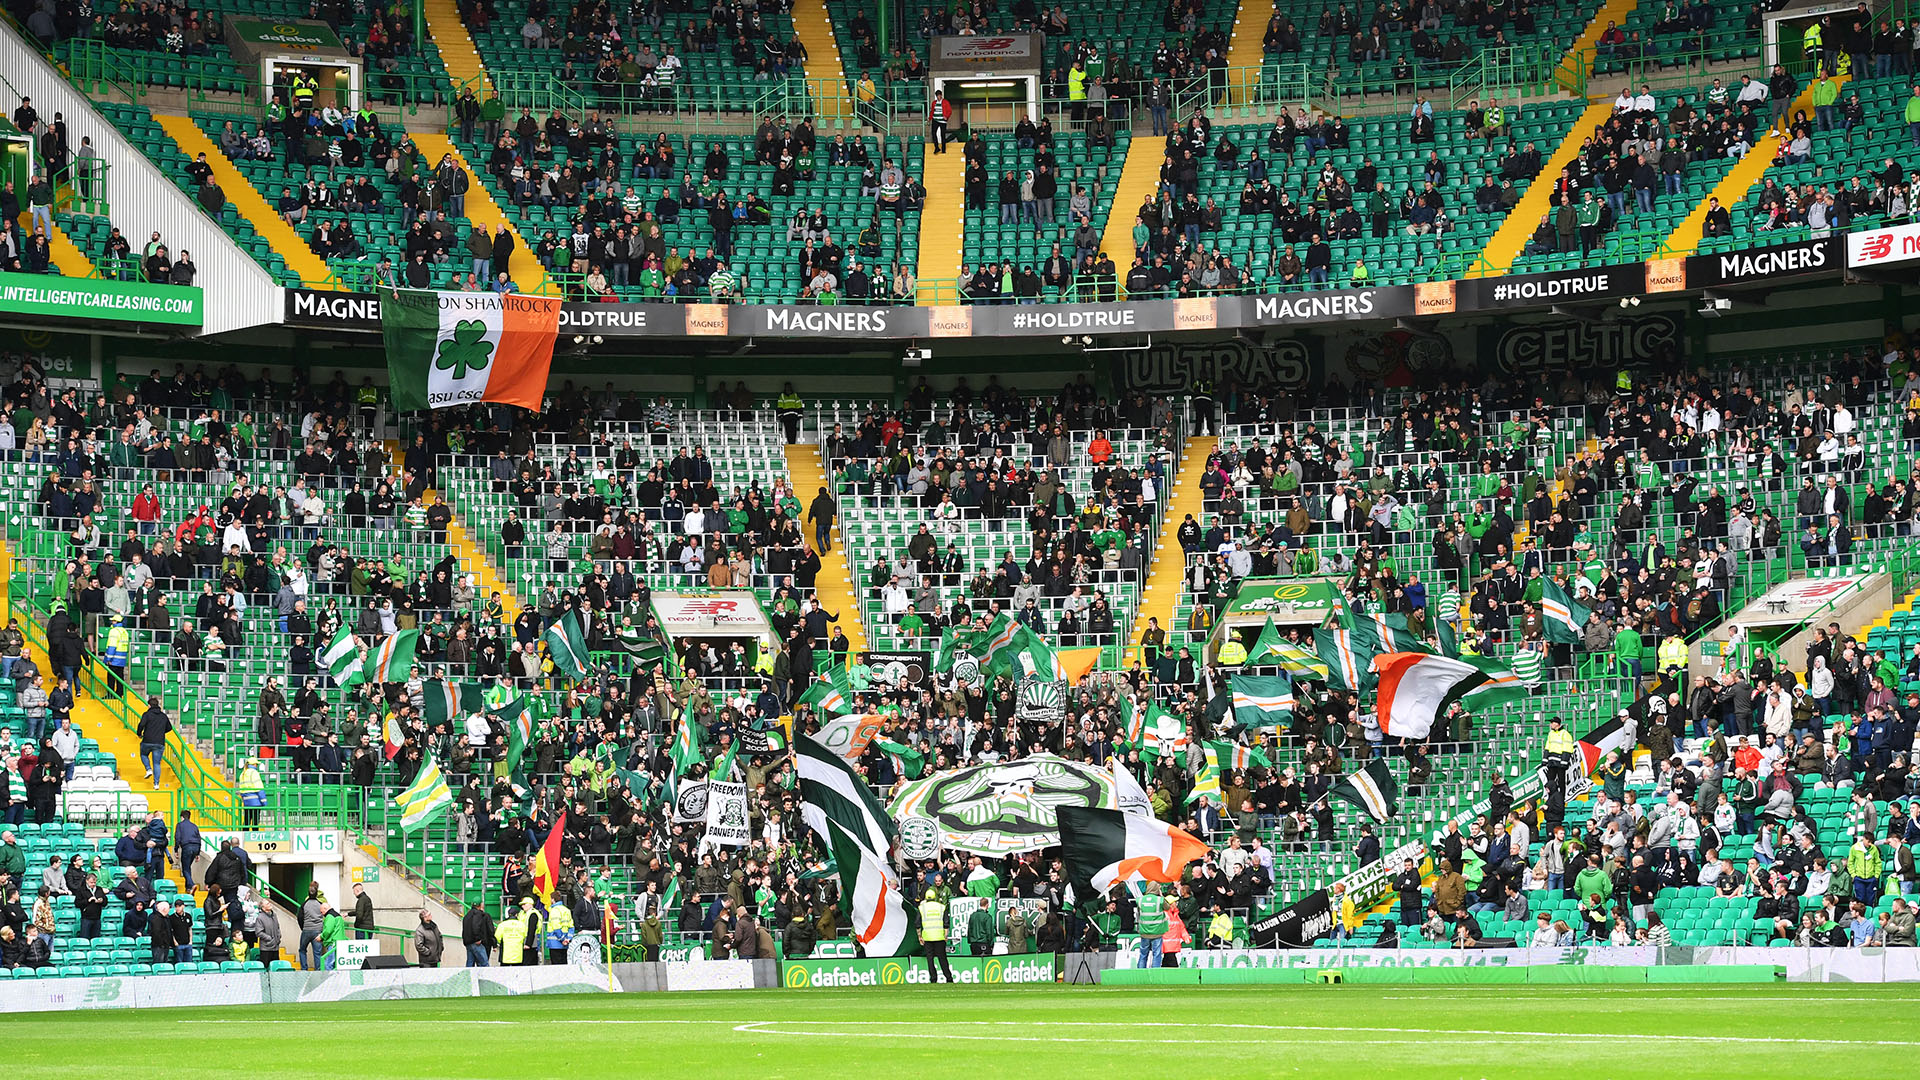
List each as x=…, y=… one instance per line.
x=1006, y=808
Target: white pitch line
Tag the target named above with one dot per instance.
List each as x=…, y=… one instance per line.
x=752, y=1027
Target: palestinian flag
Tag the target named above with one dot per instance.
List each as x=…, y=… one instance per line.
x=424, y=801
x=391, y=662
x=1262, y=701
x=1372, y=789
x=1238, y=756
x=342, y=658
x=883, y=922
x=1594, y=745
x=567, y=645
x=1104, y=848
x=1208, y=782
x=1563, y=616
x=831, y=791
x=1415, y=688
x=1346, y=655
x=393, y=737
x=831, y=692
x=546, y=861
x=462, y=348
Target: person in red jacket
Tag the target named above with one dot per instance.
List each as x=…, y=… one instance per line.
x=1100, y=450
x=146, y=510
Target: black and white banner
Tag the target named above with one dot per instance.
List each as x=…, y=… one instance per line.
x=1295, y=927
x=727, y=815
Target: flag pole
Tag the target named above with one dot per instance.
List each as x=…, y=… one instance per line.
x=606, y=939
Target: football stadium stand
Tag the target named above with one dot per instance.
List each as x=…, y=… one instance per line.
x=1451, y=624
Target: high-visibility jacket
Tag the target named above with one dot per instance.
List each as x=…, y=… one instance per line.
x=119, y=646
x=933, y=920
x=512, y=936
x=1560, y=741
x=1152, y=919
x=559, y=927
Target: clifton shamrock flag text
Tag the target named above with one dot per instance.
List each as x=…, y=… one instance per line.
x=459, y=348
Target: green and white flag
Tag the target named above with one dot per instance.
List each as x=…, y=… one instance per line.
x=912, y=762
x=1208, y=782
x=1238, y=756
x=1162, y=730
x=1372, y=789
x=462, y=348
x=342, y=658
x=1262, y=701
x=686, y=743
x=831, y=693
x=393, y=660
x=1562, y=614
x=447, y=702
x=424, y=801
x=567, y=645
x=518, y=716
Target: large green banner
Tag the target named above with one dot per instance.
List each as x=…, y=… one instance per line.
x=100, y=298
x=912, y=971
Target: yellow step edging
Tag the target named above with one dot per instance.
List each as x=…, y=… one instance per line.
x=1685, y=238
x=524, y=266
x=833, y=586
x=1161, y=598
x=457, y=52
x=1510, y=239
x=247, y=201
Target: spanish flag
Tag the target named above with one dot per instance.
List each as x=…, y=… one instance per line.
x=546, y=862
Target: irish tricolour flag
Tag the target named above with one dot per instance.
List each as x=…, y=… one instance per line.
x=459, y=348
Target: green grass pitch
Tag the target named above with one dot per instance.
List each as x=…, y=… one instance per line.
x=1429, y=1032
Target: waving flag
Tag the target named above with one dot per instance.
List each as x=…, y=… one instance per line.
x=1595, y=744
x=831, y=692
x=1161, y=731
x=393, y=660
x=567, y=645
x=342, y=658
x=546, y=861
x=1207, y=783
x=883, y=923
x=392, y=735
x=1237, y=755
x=425, y=800
x=1415, y=688
x=1562, y=615
x=1372, y=789
x=831, y=791
x=1346, y=655
x=1103, y=848
x=1262, y=701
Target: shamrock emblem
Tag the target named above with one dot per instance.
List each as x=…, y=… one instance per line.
x=469, y=348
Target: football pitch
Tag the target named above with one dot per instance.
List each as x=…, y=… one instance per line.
x=903, y=1033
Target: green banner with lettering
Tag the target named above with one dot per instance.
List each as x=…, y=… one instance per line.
x=99, y=298
x=835, y=973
